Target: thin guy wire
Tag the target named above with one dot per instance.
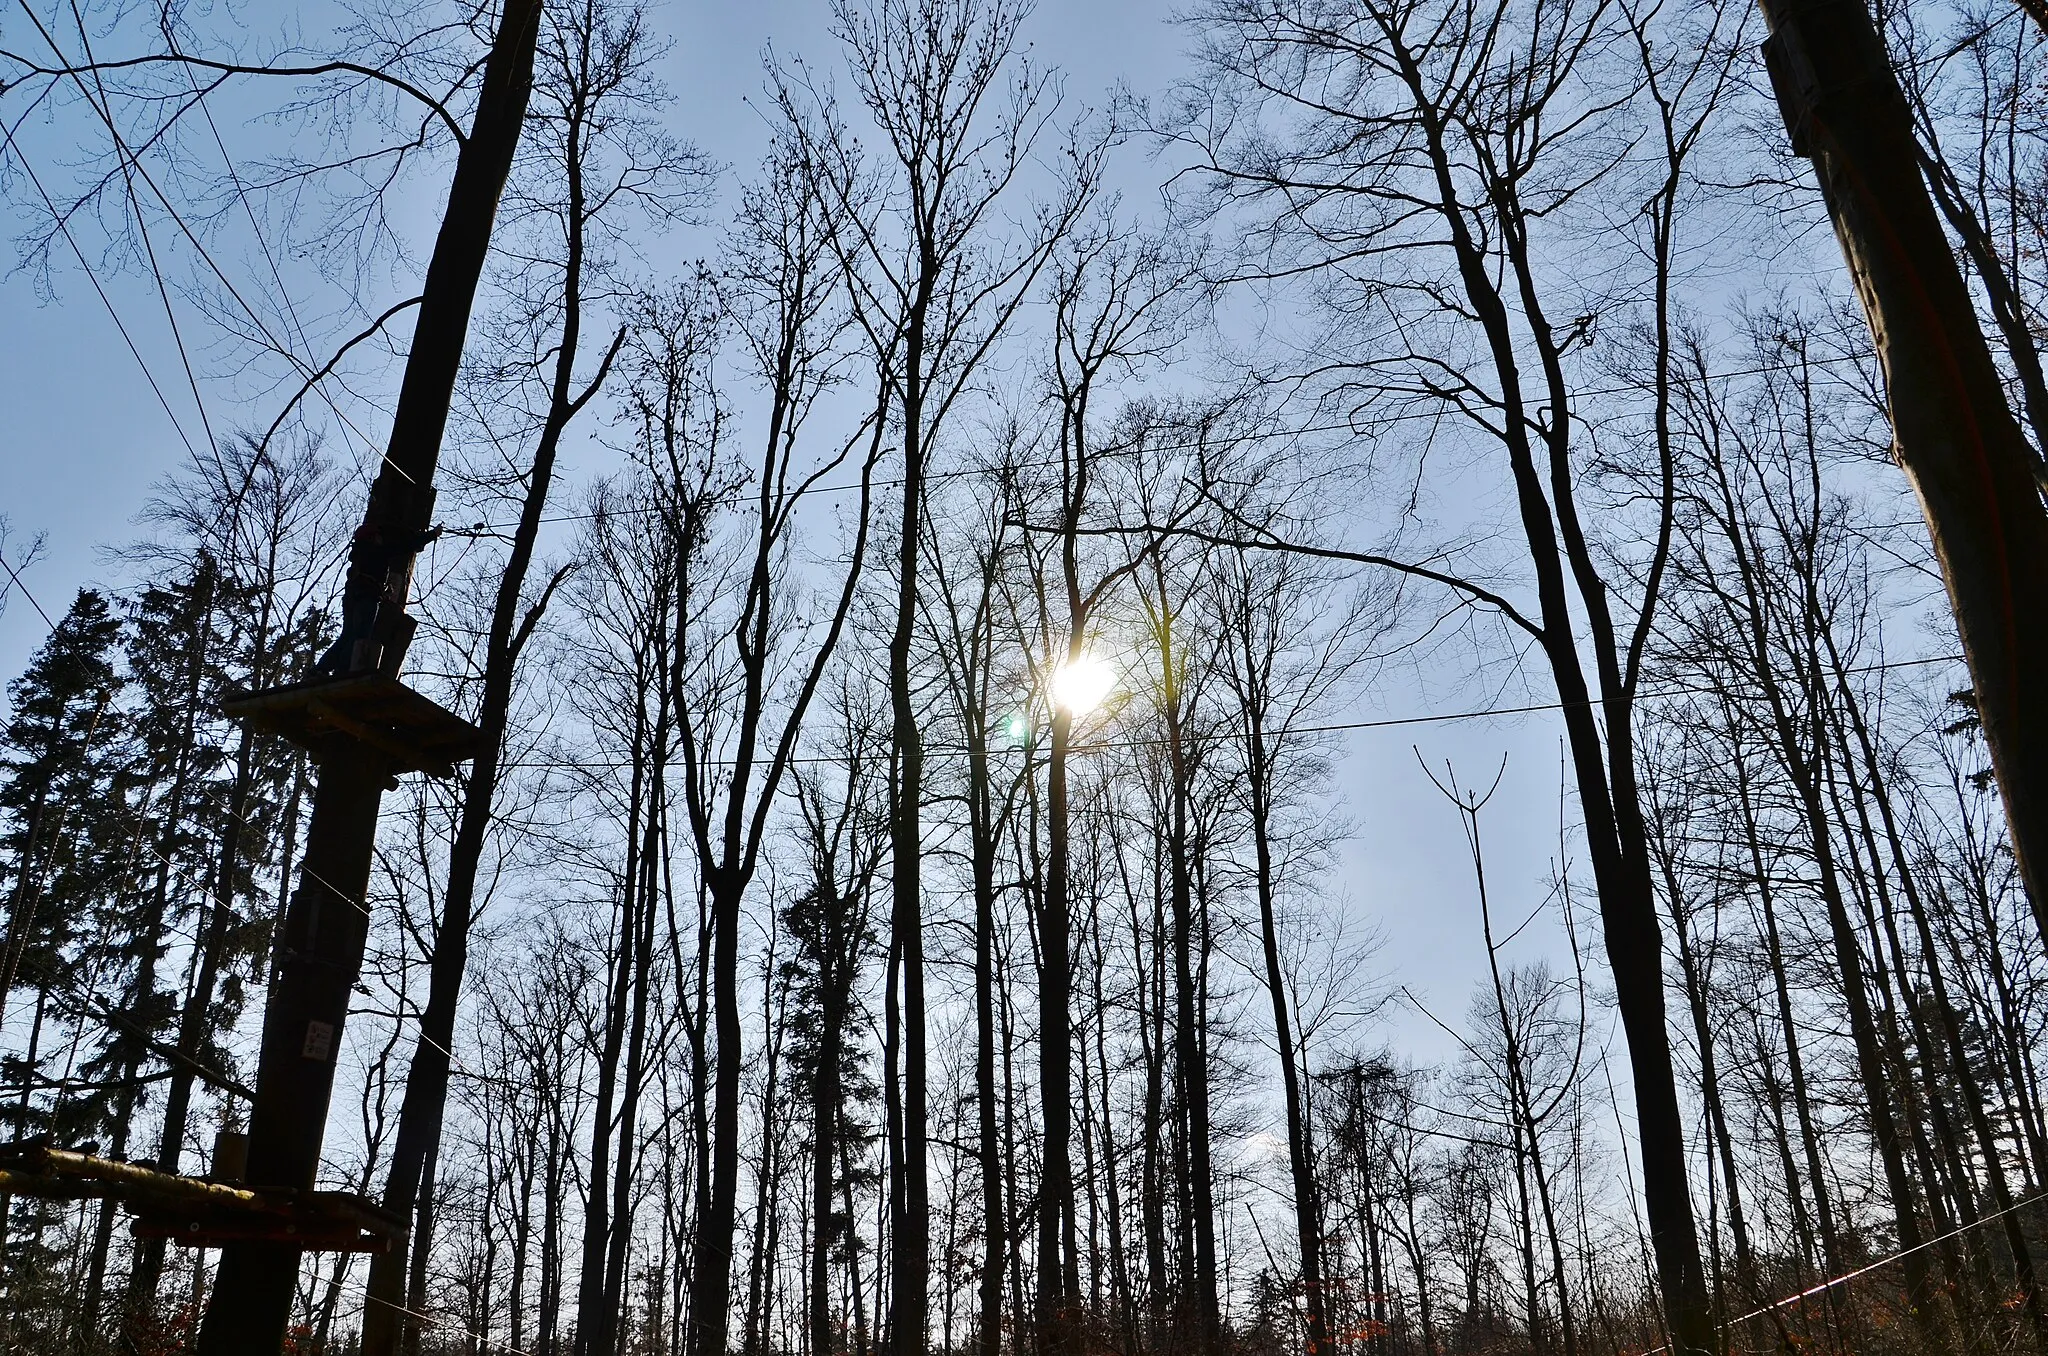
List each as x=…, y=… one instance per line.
x=1867, y=1268
x=64, y=227
x=284, y=349
x=1336, y=727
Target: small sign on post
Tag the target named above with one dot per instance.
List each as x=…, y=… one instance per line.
x=230, y=1156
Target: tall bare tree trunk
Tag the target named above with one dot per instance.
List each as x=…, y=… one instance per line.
x=982, y=849
x=625, y=1023
x=1307, y=1196
x=825, y=1108
x=1693, y=973
x=1873, y=788
x=413, y=1316
x=910, y=1213
x=1056, y=1306
x=603, y=1325
x=1801, y=767
x=426, y=1081
x=1952, y=430
x=1795, y=1061
x=326, y=927
x=1201, y=1298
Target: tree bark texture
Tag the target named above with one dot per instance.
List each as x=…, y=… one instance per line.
x=1954, y=434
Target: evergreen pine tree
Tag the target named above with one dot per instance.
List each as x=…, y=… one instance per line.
x=60, y=841
x=56, y=759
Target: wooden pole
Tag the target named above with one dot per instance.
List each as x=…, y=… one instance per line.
x=319, y=953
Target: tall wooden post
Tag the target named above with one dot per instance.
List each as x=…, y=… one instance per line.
x=1954, y=433
x=319, y=953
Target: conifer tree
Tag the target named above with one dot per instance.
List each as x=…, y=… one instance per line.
x=63, y=725
x=56, y=761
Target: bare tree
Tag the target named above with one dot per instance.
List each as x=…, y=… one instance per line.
x=935, y=289
x=590, y=134
x=1118, y=301
x=752, y=653
x=1285, y=659
x=1439, y=143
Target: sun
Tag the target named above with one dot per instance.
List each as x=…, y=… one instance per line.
x=1082, y=684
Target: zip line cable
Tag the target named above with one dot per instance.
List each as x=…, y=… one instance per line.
x=1869, y=1267
x=163, y=291
x=1335, y=426
x=284, y=296
x=227, y=161
x=62, y=222
x=127, y=159
x=89, y=1005
x=427, y=1321
x=17, y=583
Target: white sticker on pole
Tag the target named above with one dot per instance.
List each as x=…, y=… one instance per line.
x=319, y=1041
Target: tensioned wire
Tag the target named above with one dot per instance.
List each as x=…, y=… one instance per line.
x=1284, y=732
x=1867, y=1268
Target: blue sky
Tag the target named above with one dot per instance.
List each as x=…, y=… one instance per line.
x=82, y=438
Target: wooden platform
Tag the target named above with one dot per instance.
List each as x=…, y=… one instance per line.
x=328, y=714
x=197, y=1212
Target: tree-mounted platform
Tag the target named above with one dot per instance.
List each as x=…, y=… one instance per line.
x=357, y=710
x=200, y=1212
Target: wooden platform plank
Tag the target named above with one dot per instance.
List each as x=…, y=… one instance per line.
x=412, y=732
x=198, y=1212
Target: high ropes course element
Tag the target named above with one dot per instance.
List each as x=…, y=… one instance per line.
x=201, y=1212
